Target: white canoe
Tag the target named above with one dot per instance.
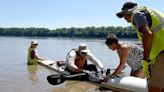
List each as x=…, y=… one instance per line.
x=127, y=83
x=52, y=65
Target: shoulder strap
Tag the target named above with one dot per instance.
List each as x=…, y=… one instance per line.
x=71, y=50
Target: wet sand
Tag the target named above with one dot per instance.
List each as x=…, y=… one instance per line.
x=80, y=86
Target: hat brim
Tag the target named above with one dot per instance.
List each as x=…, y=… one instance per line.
x=120, y=14
x=35, y=43
x=125, y=11
x=85, y=51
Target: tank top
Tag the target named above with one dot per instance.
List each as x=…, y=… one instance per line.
x=135, y=56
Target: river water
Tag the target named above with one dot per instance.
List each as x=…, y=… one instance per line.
x=16, y=76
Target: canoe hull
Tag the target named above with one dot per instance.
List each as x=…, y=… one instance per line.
x=128, y=83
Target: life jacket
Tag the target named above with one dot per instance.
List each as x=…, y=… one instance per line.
x=30, y=60
x=156, y=23
x=80, y=62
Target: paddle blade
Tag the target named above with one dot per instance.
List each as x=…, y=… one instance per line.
x=55, y=79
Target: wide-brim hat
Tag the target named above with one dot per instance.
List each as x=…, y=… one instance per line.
x=34, y=42
x=83, y=48
x=127, y=7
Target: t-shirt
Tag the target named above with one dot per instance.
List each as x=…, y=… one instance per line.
x=140, y=19
x=32, y=55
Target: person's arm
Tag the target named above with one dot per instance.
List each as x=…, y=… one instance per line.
x=147, y=38
x=95, y=61
x=71, y=60
x=34, y=55
x=123, y=57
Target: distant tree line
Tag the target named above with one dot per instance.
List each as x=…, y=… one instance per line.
x=88, y=32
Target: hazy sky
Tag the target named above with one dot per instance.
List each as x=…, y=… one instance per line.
x=66, y=13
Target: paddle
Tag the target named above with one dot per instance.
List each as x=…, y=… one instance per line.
x=86, y=75
x=58, y=78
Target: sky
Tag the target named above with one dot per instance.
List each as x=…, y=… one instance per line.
x=54, y=14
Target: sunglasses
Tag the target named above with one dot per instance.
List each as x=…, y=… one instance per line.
x=35, y=44
x=83, y=52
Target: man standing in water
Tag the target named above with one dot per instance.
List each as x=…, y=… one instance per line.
x=33, y=57
x=149, y=25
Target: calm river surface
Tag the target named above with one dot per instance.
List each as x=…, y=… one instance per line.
x=16, y=76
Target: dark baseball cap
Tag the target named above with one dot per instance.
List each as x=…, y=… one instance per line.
x=126, y=7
